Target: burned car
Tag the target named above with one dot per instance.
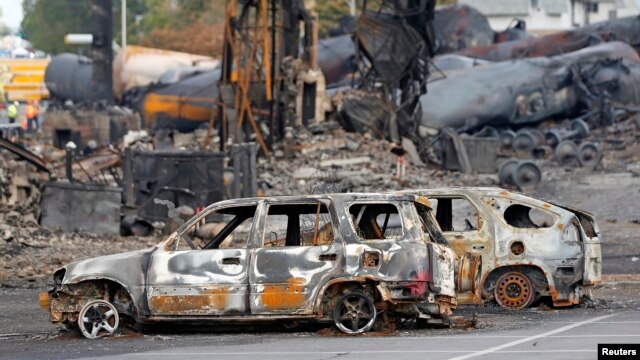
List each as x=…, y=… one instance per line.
x=529, y=248
x=353, y=259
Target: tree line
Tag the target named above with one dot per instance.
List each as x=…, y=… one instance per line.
x=193, y=26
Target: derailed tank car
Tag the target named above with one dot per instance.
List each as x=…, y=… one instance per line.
x=353, y=259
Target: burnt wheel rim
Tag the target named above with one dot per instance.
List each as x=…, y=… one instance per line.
x=98, y=318
x=514, y=291
x=354, y=314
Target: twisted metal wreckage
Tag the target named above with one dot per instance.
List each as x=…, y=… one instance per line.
x=467, y=96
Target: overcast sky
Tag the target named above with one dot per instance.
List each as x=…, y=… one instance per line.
x=11, y=13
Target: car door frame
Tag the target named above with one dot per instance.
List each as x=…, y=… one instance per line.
x=472, y=254
x=200, y=282
x=296, y=273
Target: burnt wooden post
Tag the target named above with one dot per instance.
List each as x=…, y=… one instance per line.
x=102, y=51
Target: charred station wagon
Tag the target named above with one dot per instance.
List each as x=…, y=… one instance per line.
x=346, y=258
x=528, y=247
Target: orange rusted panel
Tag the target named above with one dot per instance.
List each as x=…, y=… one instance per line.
x=177, y=107
x=179, y=304
x=459, y=246
x=44, y=299
x=424, y=201
x=284, y=296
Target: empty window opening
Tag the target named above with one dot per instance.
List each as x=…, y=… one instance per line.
x=227, y=228
x=526, y=217
x=455, y=214
x=587, y=225
x=298, y=225
x=376, y=221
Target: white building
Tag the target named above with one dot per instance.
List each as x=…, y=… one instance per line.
x=544, y=16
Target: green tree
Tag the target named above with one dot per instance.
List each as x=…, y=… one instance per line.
x=46, y=22
x=165, y=14
x=136, y=9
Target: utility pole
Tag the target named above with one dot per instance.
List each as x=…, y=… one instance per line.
x=123, y=21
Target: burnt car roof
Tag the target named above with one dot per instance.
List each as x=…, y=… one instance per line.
x=496, y=191
x=340, y=196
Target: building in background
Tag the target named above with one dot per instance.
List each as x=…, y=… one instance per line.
x=546, y=16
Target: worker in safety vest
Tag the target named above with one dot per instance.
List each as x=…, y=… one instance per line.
x=32, y=116
x=12, y=112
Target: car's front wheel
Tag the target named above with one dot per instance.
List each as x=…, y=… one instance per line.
x=354, y=313
x=98, y=318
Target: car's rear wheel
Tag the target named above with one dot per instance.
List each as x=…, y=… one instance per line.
x=354, y=313
x=98, y=318
x=514, y=290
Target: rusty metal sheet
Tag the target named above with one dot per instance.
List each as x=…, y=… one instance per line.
x=87, y=208
x=186, y=178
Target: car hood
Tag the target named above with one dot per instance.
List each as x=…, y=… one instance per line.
x=127, y=268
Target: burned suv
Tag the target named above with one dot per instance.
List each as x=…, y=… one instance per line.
x=347, y=258
x=528, y=247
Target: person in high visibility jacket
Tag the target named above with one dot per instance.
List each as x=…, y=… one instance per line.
x=12, y=112
x=32, y=116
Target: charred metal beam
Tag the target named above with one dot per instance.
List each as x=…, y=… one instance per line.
x=102, y=52
x=34, y=159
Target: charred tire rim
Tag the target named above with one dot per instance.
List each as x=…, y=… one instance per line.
x=354, y=313
x=514, y=291
x=98, y=318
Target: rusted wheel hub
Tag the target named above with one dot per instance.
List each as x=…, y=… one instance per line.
x=514, y=291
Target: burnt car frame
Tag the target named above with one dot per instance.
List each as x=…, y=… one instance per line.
x=347, y=258
x=529, y=248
